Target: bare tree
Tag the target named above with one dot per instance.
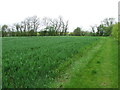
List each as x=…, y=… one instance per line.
x=35, y=23
x=93, y=28
x=108, y=21
x=23, y=26
x=17, y=28
x=28, y=24
x=66, y=27
x=58, y=25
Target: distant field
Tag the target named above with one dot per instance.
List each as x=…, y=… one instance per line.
x=42, y=62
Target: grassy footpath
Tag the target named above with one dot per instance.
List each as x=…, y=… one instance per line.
x=98, y=68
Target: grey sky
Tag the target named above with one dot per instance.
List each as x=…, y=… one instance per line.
x=82, y=13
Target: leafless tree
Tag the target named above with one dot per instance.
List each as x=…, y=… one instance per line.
x=35, y=23
x=108, y=21
x=58, y=25
x=93, y=28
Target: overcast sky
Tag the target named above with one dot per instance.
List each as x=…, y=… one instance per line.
x=81, y=13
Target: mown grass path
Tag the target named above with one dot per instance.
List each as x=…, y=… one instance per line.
x=97, y=68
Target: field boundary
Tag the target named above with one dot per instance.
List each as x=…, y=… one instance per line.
x=76, y=61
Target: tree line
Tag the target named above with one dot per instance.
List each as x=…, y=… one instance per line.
x=104, y=29
x=33, y=26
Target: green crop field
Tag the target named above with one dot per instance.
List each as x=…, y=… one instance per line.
x=65, y=62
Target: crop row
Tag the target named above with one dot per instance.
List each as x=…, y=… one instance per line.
x=32, y=61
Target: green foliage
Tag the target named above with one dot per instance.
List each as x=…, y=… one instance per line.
x=34, y=62
x=77, y=31
x=4, y=30
x=108, y=30
x=105, y=28
x=115, y=31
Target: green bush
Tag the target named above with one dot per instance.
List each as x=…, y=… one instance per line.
x=115, y=31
